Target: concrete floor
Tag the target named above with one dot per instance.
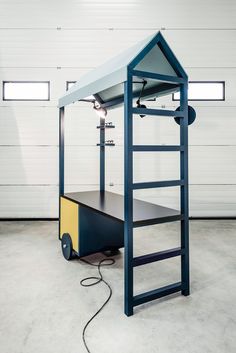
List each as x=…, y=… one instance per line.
x=43, y=307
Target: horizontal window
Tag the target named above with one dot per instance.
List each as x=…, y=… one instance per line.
x=69, y=84
x=204, y=91
x=26, y=90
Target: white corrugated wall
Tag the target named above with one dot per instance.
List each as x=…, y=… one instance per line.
x=61, y=40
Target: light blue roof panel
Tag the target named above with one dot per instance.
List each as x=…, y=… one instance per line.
x=106, y=79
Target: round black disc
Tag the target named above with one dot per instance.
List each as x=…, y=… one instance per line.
x=142, y=106
x=191, y=115
x=66, y=246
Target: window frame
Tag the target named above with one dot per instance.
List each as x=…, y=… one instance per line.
x=205, y=100
x=25, y=100
x=67, y=84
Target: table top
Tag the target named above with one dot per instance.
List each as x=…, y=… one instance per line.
x=112, y=205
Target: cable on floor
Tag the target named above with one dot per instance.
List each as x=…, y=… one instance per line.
x=92, y=282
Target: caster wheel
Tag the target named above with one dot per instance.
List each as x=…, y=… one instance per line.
x=66, y=246
x=111, y=252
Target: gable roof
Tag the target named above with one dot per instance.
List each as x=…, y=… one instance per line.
x=105, y=81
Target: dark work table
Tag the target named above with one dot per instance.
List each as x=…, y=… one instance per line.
x=112, y=205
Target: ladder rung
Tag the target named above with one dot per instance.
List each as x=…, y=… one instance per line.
x=165, y=219
x=157, y=256
x=157, y=293
x=158, y=184
x=161, y=112
x=149, y=148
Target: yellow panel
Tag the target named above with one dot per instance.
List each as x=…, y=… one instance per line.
x=69, y=221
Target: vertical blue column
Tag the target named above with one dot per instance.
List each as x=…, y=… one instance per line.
x=184, y=190
x=128, y=195
x=61, y=161
x=102, y=154
x=61, y=150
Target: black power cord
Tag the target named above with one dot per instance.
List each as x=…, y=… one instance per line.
x=141, y=92
x=95, y=281
x=139, y=105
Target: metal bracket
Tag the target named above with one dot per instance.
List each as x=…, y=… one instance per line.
x=107, y=143
x=106, y=126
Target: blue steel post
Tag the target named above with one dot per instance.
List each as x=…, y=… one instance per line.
x=128, y=195
x=102, y=154
x=61, y=161
x=61, y=150
x=184, y=190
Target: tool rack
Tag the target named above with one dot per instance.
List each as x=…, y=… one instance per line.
x=105, y=220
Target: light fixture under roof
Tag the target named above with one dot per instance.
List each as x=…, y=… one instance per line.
x=101, y=112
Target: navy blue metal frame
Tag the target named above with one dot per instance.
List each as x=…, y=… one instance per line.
x=61, y=162
x=61, y=150
x=130, y=301
x=130, y=262
x=128, y=195
x=102, y=154
x=184, y=207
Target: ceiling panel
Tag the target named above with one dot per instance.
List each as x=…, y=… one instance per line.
x=71, y=49
x=118, y=14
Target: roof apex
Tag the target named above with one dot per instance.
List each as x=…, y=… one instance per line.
x=158, y=39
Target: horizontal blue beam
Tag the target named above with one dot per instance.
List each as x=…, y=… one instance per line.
x=157, y=184
x=152, y=91
x=159, y=220
x=150, y=148
x=162, y=112
x=158, y=77
x=157, y=256
x=157, y=293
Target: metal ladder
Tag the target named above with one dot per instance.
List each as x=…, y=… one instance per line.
x=130, y=262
